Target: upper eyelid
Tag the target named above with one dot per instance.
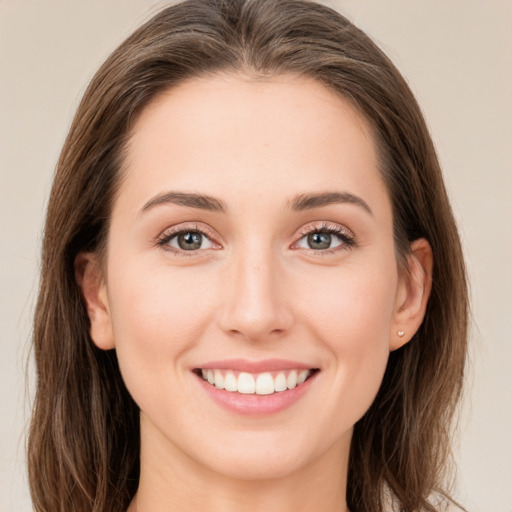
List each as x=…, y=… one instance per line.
x=186, y=226
x=320, y=225
x=310, y=227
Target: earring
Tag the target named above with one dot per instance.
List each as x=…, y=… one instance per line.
x=400, y=333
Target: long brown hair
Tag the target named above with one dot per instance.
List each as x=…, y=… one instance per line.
x=83, y=447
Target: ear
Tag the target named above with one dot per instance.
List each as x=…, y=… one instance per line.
x=413, y=292
x=90, y=279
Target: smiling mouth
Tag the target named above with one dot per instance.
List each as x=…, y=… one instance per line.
x=266, y=383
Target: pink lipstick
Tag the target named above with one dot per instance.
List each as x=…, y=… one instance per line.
x=255, y=387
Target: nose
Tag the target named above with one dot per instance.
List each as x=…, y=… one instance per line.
x=257, y=299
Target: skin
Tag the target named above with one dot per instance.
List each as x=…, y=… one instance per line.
x=254, y=290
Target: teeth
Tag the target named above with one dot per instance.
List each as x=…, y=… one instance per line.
x=261, y=384
x=301, y=377
x=264, y=384
x=291, y=381
x=246, y=384
x=219, y=379
x=280, y=382
x=230, y=382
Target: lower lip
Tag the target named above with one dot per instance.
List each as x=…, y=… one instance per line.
x=256, y=405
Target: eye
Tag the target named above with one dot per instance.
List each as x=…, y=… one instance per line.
x=190, y=241
x=186, y=240
x=319, y=241
x=325, y=239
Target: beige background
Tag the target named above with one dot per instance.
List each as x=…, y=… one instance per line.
x=456, y=56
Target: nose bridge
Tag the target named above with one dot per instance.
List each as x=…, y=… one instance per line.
x=256, y=304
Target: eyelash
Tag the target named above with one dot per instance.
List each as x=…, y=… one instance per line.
x=343, y=234
x=346, y=237
x=168, y=235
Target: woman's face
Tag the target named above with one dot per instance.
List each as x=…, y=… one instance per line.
x=251, y=241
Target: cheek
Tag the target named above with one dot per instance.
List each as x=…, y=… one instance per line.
x=351, y=304
x=352, y=315
x=157, y=316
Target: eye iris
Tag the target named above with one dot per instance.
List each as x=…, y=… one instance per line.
x=189, y=240
x=319, y=240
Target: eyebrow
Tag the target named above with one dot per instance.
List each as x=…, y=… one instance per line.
x=299, y=203
x=310, y=201
x=192, y=200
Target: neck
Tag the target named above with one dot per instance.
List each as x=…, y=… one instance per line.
x=171, y=481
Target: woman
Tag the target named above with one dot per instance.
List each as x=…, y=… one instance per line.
x=252, y=293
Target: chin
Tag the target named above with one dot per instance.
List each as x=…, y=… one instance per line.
x=264, y=456
x=259, y=467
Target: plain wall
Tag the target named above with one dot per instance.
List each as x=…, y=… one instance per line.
x=455, y=55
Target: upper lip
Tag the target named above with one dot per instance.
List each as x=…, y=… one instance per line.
x=245, y=365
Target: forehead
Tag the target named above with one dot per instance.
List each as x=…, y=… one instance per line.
x=268, y=136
